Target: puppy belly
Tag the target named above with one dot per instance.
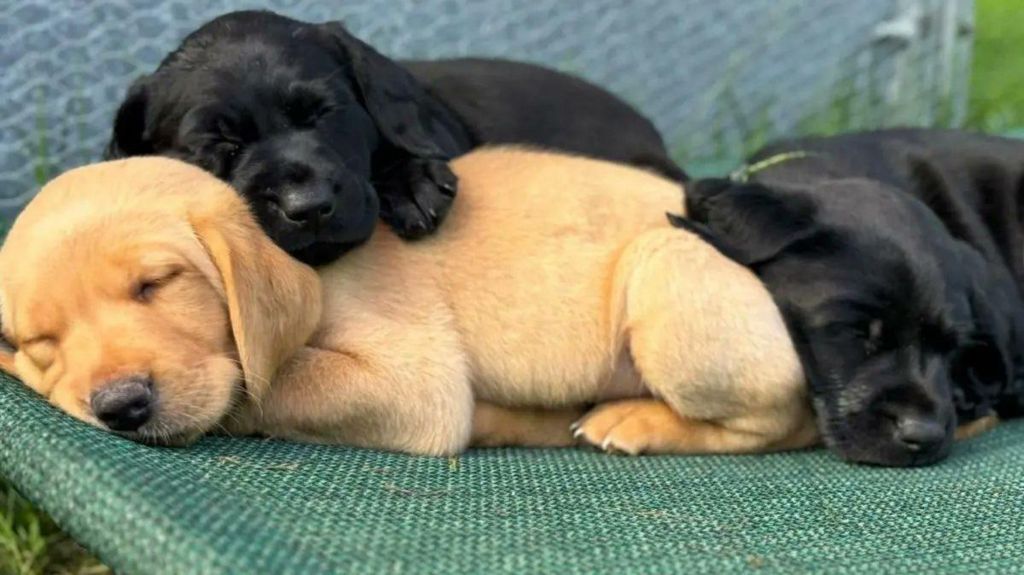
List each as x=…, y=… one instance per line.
x=623, y=382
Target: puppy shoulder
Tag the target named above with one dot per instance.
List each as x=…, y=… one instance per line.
x=385, y=281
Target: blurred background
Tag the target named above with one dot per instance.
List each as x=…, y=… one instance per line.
x=718, y=78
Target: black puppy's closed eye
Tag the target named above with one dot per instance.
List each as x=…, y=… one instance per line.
x=213, y=139
x=227, y=131
x=306, y=117
x=218, y=148
x=229, y=139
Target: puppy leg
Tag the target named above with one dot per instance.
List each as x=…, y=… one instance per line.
x=397, y=402
x=636, y=426
x=416, y=197
x=709, y=341
x=496, y=426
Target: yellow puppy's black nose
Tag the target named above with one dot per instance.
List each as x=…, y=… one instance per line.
x=124, y=404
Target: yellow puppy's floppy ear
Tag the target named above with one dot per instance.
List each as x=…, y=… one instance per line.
x=274, y=301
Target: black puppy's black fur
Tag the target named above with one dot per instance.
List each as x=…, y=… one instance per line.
x=320, y=132
x=893, y=257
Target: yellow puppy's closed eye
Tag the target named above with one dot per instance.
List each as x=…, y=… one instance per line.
x=144, y=290
x=38, y=339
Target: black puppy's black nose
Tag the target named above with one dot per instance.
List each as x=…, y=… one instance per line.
x=308, y=206
x=919, y=434
x=124, y=404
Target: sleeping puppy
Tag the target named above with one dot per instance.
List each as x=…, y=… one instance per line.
x=887, y=254
x=321, y=134
x=142, y=297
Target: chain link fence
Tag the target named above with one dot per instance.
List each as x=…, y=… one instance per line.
x=717, y=77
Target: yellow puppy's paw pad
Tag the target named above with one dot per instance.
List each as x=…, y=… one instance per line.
x=621, y=428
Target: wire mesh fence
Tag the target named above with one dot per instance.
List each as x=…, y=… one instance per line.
x=716, y=77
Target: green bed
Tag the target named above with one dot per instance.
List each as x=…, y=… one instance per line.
x=259, y=506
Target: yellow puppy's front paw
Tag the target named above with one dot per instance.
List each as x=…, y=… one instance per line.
x=628, y=427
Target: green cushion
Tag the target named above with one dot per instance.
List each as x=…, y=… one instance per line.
x=260, y=506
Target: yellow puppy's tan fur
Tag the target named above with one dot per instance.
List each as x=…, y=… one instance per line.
x=556, y=282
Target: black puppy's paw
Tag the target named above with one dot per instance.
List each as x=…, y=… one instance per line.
x=416, y=200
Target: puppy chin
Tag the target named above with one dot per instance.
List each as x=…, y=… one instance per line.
x=169, y=429
x=323, y=253
x=181, y=439
x=342, y=234
x=885, y=453
x=192, y=403
x=876, y=445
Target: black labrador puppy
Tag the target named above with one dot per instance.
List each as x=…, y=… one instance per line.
x=322, y=134
x=895, y=257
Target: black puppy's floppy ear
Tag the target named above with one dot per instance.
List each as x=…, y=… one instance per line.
x=129, y=137
x=751, y=223
x=407, y=117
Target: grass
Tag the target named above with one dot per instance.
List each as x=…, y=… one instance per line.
x=32, y=544
x=997, y=80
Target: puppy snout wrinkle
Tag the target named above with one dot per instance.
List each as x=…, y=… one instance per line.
x=124, y=404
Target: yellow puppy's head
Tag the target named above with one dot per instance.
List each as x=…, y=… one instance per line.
x=141, y=296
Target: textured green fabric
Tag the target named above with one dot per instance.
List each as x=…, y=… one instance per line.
x=254, y=506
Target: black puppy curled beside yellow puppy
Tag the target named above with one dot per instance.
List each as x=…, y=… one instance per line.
x=895, y=258
x=556, y=305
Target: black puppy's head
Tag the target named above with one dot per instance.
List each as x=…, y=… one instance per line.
x=291, y=114
x=866, y=303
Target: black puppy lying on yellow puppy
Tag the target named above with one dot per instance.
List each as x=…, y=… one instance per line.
x=142, y=297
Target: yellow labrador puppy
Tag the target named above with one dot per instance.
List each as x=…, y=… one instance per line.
x=142, y=297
